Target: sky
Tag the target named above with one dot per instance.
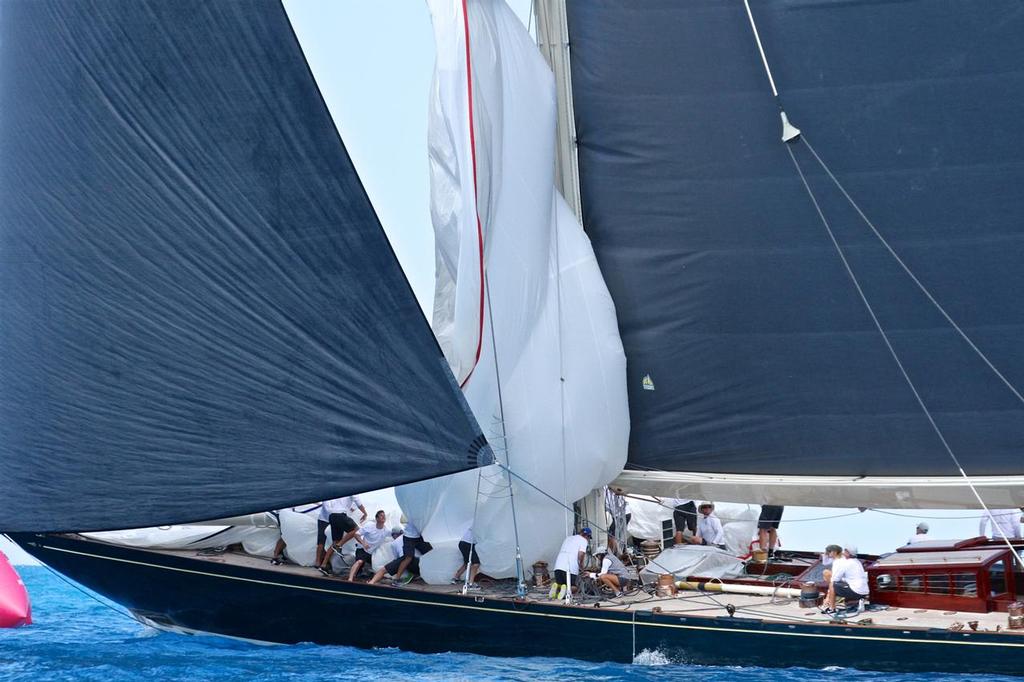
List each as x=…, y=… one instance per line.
x=373, y=61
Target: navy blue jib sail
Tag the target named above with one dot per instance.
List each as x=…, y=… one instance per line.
x=749, y=348
x=200, y=314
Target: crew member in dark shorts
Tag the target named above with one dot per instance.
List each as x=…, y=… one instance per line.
x=568, y=563
x=391, y=567
x=345, y=506
x=470, y=559
x=376, y=535
x=848, y=580
x=684, y=515
x=412, y=542
x=343, y=528
x=768, y=527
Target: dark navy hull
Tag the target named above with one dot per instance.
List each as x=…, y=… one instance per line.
x=274, y=606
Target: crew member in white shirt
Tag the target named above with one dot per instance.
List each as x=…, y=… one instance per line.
x=849, y=580
x=470, y=559
x=709, y=527
x=921, y=535
x=339, y=507
x=1007, y=520
x=395, y=549
x=375, y=536
x=568, y=563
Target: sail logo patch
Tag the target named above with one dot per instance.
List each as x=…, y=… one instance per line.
x=647, y=383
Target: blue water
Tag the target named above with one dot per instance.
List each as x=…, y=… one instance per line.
x=75, y=637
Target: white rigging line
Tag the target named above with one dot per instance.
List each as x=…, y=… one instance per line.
x=791, y=134
x=520, y=578
x=472, y=545
x=554, y=499
x=895, y=355
x=760, y=48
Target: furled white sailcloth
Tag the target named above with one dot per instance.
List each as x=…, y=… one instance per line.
x=552, y=315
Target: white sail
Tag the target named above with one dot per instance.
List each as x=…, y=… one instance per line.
x=551, y=313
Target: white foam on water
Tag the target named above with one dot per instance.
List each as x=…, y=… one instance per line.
x=648, y=657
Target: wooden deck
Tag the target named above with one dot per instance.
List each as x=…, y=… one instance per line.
x=767, y=608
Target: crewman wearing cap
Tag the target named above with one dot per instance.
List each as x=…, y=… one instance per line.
x=921, y=535
x=709, y=527
x=849, y=581
x=568, y=563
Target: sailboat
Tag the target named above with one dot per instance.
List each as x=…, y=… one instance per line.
x=202, y=317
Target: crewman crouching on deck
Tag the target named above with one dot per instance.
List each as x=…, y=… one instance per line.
x=568, y=563
x=849, y=580
x=613, y=573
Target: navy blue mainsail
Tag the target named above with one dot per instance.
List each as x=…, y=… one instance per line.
x=200, y=314
x=749, y=349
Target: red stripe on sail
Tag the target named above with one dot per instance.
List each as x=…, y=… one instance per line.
x=479, y=228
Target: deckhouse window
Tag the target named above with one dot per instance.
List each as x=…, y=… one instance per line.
x=997, y=578
x=938, y=583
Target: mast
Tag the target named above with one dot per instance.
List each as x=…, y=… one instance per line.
x=553, y=41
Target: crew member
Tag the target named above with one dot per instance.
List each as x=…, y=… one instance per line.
x=849, y=580
x=568, y=563
x=394, y=548
x=325, y=565
x=709, y=527
x=470, y=559
x=341, y=506
x=684, y=515
x=1005, y=520
x=920, y=535
x=613, y=573
x=375, y=536
x=827, y=558
x=412, y=544
x=768, y=527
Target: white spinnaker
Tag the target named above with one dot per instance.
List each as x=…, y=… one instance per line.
x=296, y=525
x=551, y=312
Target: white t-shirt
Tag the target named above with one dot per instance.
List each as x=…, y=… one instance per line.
x=394, y=549
x=374, y=536
x=710, y=530
x=568, y=555
x=920, y=537
x=674, y=501
x=468, y=536
x=411, y=531
x=338, y=505
x=1006, y=519
x=852, y=571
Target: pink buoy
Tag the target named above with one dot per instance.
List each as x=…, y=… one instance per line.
x=15, y=609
